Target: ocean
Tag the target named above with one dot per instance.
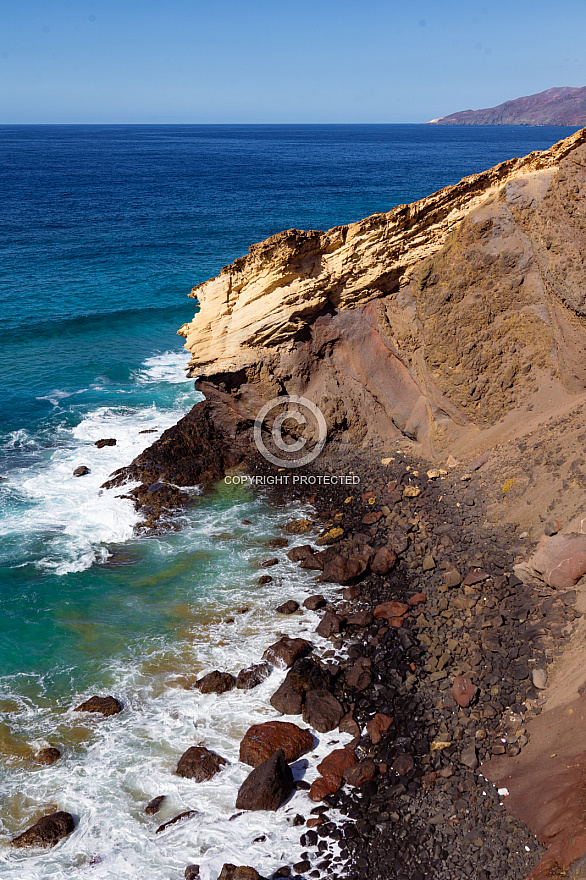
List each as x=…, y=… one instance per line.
x=104, y=230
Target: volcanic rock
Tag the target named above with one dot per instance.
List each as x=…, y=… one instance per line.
x=110, y=441
x=322, y=711
x=180, y=817
x=47, y=831
x=191, y=872
x=297, y=554
x=384, y=560
x=289, y=607
x=268, y=786
x=377, y=726
x=48, y=755
x=155, y=805
x=560, y=561
x=330, y=624
x=216, y=682
x=314, y=603
x=252, y=676
x=199, y=764
x=359, y=773
x=463, y=690
x=235, y=872
x=286, y=651
x=81, y=471
x=261, y=741
x=104, y=705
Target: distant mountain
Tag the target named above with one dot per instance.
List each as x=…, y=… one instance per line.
x=561, y=106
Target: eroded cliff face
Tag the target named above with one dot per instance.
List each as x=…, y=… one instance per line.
x=432, y=321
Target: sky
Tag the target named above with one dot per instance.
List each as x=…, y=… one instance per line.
x=270, y=61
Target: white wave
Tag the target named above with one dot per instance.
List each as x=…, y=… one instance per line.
x=131, y=758
x=78, y=518
x=167, y=367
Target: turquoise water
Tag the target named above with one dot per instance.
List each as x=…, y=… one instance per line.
x=104, y=231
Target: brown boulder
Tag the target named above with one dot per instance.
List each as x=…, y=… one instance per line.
x=417, y=599
x=199, y=764
x=268, y=563
x=305, y=675
x=379, y=725
x=359, y=773
x=299, y=526
x=384, y=560
x=81, y=471
x=48, y=756
x=348, y=725
x=330, y=624
x=314, y=603
x=105, y=705
x=289, y=607
x=463, y=690
x=322, y=711
x=360, y=618
x=236, y=872
x=358, y=677
x=110, y=441
x=286, y=651
x=252, y=676
x=261, y=741
x=191, y=872
x=313, y=562
x=341, y=570
x=216, y=683
x=268, y=786
x=370, y=518
x=47, y=831
x=297, y=554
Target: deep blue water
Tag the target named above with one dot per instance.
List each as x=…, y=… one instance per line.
x=103, y=232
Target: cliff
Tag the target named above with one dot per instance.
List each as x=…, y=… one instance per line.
x=557, y=106
x=432, y=321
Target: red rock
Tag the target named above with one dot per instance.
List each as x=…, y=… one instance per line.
x=359, y=773
x=314, y=562
x=334, y=764
x=379, y=725
x=348, y=725
x=560, y=560
x=238, y=872
x=384, y=560
x=286, y=651
x=396, y=621
x=390, y=610
x=321, y=787
x=350, y=593
x=417, y=599
x=370, y=518
x=368, y=495
x=358, y=676
x=216, y=683
x=315, y=822
x=314, y=603
x=463, y=690
x=261, y=741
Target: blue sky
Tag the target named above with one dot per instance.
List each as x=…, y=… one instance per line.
x=255, y=61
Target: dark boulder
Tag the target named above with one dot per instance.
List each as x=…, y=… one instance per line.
x=187, y=814
x=314, y=562
x=155, y=805
x=305, y=675
x=268, y=786
x=322, y=711
x=296, y=554
x=384, y=560
x=238, y=872
x=359, y=773
x=261, y=741
x=287, y=699
x=192, y=872
x=105, y=705
x=47, y=831
x=199, y=764
x=339, y=569
x=252, y=676
x=109, y=441
x=216, y=683
x=81, y=471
